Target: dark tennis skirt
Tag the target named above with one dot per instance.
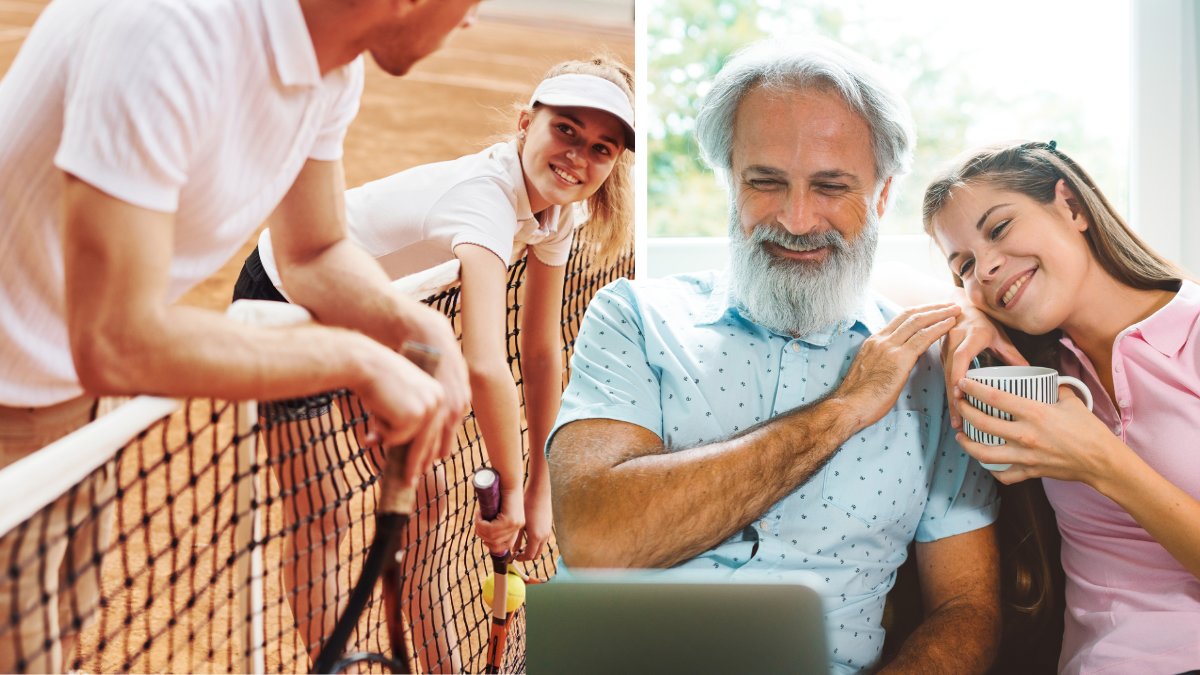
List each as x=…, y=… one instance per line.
x=254, y=284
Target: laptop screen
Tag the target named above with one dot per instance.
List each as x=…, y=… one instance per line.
x=665, y=621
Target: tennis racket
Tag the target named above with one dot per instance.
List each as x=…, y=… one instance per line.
x=396, y=503
x=487, y=491
x=504, y=574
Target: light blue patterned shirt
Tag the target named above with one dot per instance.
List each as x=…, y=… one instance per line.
x=672, y=355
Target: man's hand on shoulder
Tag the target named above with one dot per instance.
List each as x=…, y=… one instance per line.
x=886, y=359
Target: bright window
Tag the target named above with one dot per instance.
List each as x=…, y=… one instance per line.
x=973, y=73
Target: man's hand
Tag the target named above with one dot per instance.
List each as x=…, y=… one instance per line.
x=428, y=326
x=342, y=285
x=408, y=407
x=886, y=359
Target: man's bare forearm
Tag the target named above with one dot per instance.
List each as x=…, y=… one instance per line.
x=653, y=508
x=344, y=286
x=958, y=638
x=960, y=586
x=253, y=362
x=621, y=500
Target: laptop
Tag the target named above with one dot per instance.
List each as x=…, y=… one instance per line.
x=674, y=621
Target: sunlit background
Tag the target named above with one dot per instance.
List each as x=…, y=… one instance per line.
x=973, y=73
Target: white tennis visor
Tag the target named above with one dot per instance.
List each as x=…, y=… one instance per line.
x=587, y=91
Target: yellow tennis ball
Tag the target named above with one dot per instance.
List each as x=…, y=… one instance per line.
x=515, y=590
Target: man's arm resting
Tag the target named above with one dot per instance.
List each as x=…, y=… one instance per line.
x=621, y=500
x=960, y=588
x=325, y=272
x=126, y=339
x=342, y=285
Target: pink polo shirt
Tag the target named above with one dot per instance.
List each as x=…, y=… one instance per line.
x=1131, y=607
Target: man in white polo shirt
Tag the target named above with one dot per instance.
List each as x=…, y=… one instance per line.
x=141, y=143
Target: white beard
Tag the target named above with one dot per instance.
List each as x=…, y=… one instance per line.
x=798, y=297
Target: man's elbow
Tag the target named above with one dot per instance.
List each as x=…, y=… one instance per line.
x=580, y=527
x=583, y=547
x=106, y=362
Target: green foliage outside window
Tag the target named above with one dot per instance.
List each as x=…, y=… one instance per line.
x=689, y=40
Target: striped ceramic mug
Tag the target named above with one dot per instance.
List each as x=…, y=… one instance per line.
x=1039, y=384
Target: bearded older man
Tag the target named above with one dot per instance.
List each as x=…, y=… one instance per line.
x=776, y=418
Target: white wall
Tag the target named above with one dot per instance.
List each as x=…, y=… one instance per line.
x=1165, y=148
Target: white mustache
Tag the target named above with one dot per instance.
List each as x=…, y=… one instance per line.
x=764, y=233
x=795, y=297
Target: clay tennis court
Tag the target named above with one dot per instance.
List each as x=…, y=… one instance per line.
x=455, y=102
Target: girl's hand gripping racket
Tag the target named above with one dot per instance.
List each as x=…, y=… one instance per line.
x=487, y=491
x=397, y=502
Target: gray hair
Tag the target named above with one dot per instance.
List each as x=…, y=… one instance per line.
x=816, y=64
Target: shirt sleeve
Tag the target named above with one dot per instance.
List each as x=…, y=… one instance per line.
x=610, y=376
x=131, y=130
x=476, y=212
x=344, y=95
x=962, y=494
x=556, y=250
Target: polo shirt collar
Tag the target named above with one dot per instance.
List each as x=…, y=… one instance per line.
x=292, y=51
x=720, y=304
x=1167, y=330
x=510, y=158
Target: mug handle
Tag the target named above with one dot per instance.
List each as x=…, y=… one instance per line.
x=1077, y=386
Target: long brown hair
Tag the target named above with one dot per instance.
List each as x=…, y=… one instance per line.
x=1034, y=169
x=609, y=229
x=1032, y=578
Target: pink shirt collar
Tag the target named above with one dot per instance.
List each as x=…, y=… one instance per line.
x=1166, y=330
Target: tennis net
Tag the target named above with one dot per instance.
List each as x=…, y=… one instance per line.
x=215, y=536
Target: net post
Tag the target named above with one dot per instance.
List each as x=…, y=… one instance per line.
x=248, y=536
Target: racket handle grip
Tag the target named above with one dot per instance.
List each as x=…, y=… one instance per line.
x=487, y=491
x=395, y=496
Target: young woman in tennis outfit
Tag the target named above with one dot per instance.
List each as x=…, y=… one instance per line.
x=567, y=164
x=1038, y=248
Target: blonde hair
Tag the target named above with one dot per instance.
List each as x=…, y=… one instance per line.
x=609, y=231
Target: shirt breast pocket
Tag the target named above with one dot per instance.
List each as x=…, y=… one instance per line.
x=878, y=475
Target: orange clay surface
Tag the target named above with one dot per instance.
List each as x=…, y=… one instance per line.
x=453, y=103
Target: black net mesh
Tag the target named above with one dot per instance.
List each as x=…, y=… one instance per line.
x=161, y=539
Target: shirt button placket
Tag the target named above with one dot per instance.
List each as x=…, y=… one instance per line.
x=791, y=388
x=1121, y=389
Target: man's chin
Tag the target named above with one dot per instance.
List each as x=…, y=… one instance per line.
x=395, y=67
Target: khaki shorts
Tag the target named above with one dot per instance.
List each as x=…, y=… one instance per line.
x=50, y=564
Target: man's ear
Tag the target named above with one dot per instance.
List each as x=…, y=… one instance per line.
x=881, y=203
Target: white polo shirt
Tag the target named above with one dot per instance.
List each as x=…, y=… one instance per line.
x=204, y=108
x=413, y=220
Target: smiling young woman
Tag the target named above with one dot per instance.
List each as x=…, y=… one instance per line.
x=567, y=165
x=1038, y=248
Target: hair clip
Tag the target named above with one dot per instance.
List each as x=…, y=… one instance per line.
x=1053, y=146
